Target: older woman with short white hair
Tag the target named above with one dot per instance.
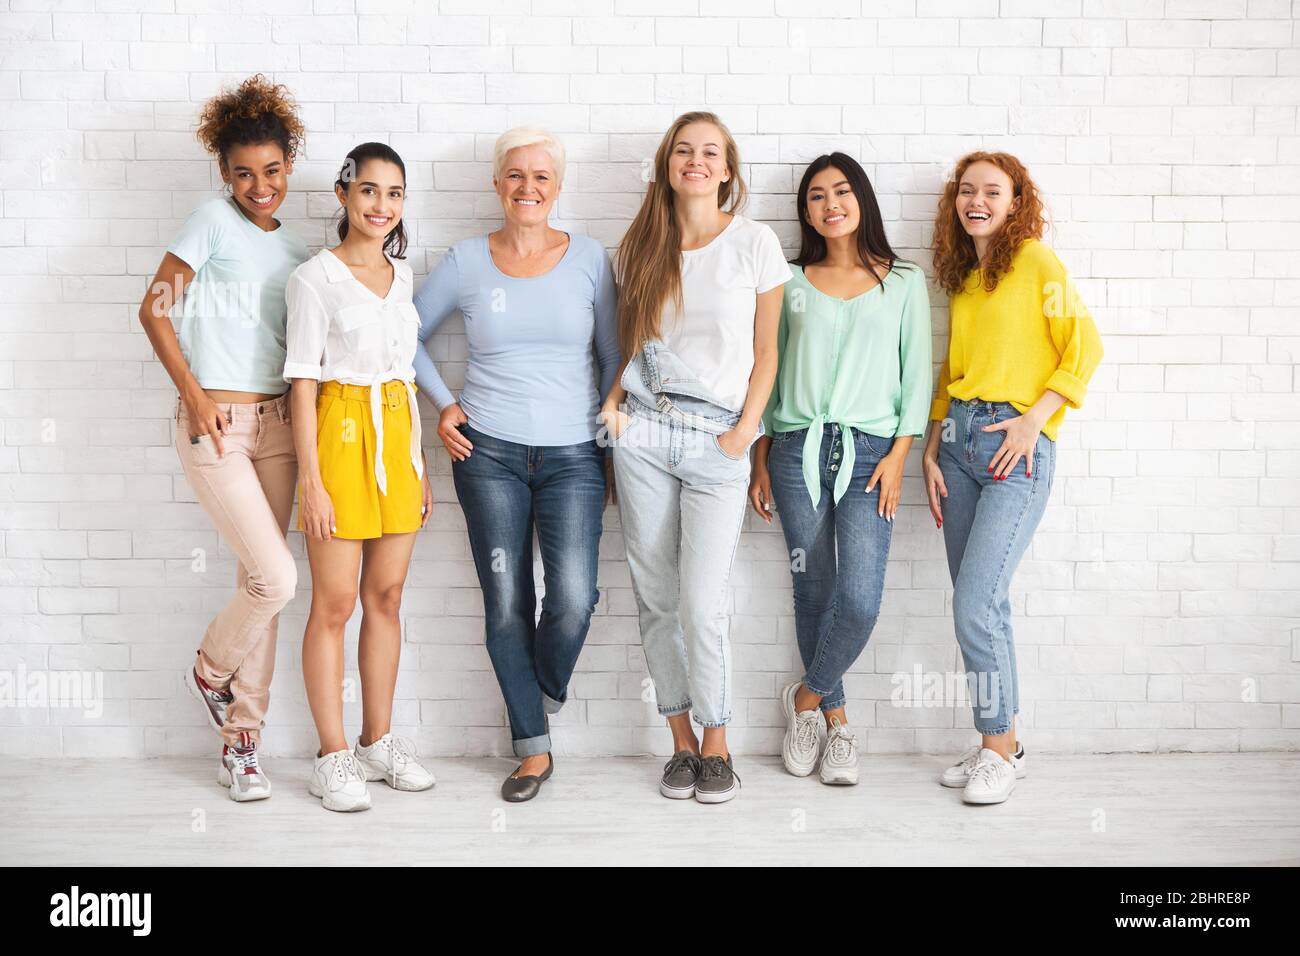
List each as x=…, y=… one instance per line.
x=539, y=309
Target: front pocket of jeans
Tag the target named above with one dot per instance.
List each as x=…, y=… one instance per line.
x=718, y=445
x=876, y=445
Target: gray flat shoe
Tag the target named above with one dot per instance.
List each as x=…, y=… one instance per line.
x=519, y=789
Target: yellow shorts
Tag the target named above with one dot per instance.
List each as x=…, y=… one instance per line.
x=345, y=444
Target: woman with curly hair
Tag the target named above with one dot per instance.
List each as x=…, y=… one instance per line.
x=1022, y=348
x=223, y=276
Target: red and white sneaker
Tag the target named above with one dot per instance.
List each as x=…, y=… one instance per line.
x=214, y=702
x=241, y=773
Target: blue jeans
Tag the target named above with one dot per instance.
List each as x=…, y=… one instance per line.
x=838, y=553
x=987, y=528
x=505, y=489
x=681, y=502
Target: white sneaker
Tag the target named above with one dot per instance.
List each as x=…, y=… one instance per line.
x=959, y=773
x=991, y=781
x=840, y=756
x=802, y=734
x=339, y=781
x=241, y=773
x=392, y=760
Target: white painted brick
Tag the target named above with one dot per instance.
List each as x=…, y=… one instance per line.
x=1162, y=131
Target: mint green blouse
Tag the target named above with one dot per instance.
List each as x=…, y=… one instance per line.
x=861, y=363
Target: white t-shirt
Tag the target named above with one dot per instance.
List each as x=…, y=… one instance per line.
x=714, y=332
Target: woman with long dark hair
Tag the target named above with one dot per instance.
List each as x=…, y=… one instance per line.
x=364, y=485
x=852, y=392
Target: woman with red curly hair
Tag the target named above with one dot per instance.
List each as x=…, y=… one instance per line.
x=223, y=276
x=1022, y=348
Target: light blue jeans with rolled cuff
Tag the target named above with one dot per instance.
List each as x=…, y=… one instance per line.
x=681, y=502
x=988, y=525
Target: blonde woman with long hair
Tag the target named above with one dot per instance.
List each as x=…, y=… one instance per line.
x=699, y=303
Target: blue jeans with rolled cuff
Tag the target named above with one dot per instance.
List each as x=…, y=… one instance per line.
x=838, y=552
x=507, y=489
x=988, y=525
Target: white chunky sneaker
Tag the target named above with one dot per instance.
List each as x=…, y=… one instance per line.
x=339, y=781
x=991, y=781
x=241, y=773
x=392, y=760
x=802, y=734
x=840, y=756
x=959, y=773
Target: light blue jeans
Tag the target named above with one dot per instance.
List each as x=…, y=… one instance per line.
x=681, y=502
x=987, y=528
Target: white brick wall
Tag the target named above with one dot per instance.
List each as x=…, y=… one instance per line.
x=1159, y=608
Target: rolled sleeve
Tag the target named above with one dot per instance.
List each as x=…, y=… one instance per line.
x=915, y=358
x=306, y=326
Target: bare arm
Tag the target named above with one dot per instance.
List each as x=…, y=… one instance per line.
x=314, y=505
x=767, y=317
x=171, y=279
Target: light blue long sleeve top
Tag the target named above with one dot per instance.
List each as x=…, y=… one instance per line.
x=543, y=350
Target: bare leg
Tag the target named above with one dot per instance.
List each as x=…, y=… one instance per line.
x=683, y=733
x=384, y=564
x=334, y=567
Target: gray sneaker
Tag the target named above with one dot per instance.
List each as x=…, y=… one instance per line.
x=215, y=702
x=718, y=782
x=680, y=774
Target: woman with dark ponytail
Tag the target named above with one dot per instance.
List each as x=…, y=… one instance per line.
x=223, y=276
x=352, y=336
x=852, y=391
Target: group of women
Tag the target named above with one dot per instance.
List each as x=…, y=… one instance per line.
x=697, y=376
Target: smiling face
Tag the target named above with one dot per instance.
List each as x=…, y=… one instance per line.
x=697, y=164
x=374, y=200
x=985, y=197
x=527, y=185
x=258, y=178
x=832, y=206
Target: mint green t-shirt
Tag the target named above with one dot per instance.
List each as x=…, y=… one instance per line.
x=232, y=315
x=861, y=363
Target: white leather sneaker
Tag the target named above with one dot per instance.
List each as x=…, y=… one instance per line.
x=959, y=773
x=839, y=763
x=802, y=734
x=991, y=781
x=241, y=774
x=339, y=781
x=392, y=760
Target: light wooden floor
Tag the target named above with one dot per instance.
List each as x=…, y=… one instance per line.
x=1172, y=809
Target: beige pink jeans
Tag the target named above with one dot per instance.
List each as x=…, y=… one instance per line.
x=248, y=494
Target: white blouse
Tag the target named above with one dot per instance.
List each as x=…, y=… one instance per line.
x=339, y=330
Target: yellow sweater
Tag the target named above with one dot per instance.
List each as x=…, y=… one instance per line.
x=1030, y=334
